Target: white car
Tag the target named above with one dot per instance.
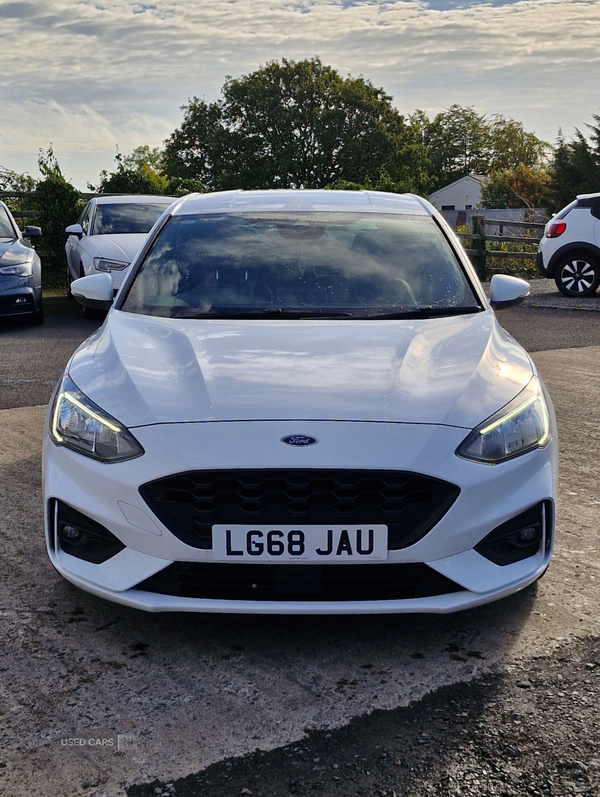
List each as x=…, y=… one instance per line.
x=300, y=402
x=110, y=232
x=569, y=251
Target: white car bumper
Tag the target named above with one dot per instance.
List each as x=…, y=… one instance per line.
x=109, y=495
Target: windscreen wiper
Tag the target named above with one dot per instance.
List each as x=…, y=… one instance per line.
x=269, y=312
x=426, y=311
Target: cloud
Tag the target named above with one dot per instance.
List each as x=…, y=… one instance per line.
x=110, y=64
x=81, y=137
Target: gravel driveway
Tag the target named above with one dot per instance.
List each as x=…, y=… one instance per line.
x=501, y=700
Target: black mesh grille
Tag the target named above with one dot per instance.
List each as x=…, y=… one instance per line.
x=299, y=582
x=408, y=503
x=12, y=304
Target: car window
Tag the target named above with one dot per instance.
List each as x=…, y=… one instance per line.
x=127, y=218
x=343, y=264
x=84, y=219
x=7, y=231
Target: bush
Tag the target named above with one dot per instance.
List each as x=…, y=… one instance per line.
x=58, y=204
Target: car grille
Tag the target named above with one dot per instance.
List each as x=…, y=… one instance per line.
x=16, y=304
x=410, y=504
x=252, y=582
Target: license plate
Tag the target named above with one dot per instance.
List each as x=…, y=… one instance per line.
x=334, y=544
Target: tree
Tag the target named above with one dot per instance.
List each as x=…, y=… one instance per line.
x=511, y=146
x=193, y=150
x=11, y=181
x=133, y=175
x=459, y=141
x=575, y=167
x=289, y=124
x=144, y=156
x=59, y=205
x=517, y=187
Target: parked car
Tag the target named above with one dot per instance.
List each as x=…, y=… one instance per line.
x=109, y=233
x=20, y=271
x=569, y=252
x=300, y=402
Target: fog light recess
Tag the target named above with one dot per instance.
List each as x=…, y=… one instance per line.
x=518, y=538
x=80, y=536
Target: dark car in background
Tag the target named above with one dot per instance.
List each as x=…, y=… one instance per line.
x=20, y=271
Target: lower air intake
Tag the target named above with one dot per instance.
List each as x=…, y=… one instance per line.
x=383, y=582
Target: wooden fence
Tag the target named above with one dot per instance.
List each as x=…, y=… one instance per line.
x=480, y=252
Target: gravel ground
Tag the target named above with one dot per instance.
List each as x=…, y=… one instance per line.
x=533, y=729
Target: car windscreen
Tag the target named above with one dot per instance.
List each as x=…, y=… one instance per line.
x=7, y=231
x=121, y=217
x=281, y=264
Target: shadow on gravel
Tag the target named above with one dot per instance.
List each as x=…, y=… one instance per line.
x=531, y=731
x=194, y=689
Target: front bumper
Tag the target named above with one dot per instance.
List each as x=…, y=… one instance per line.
x=109, y=494
x=18, y=296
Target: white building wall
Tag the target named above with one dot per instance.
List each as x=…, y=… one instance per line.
x=463, y=194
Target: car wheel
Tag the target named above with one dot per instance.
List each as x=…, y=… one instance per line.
x=577, y=274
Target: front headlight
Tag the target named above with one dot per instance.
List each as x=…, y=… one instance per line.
x=22, y=270
x=106, y=264
x=520, y=426
x=78, y=423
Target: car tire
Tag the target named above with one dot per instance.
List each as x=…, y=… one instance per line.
x=577, y=274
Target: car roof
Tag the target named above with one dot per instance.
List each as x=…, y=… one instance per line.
x=303, y=200
x=134, y=199
x=587, y=200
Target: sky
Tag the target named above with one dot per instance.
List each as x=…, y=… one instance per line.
x=91, y=76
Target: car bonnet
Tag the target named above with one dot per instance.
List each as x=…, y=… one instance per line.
x=455, y=371
x=123, y=246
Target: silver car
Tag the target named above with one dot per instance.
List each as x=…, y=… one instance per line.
x=20, y=271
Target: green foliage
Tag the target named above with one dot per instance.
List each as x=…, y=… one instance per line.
x=575, y=167
x=516, y=187
x=135, y=174
x=192, y=151
x=59, y=205
x=12, y=181
x=459, y=141
x=143, y=155
x=141, y=172
x=290, y=124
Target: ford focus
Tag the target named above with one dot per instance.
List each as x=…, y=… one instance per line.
x=300, y=402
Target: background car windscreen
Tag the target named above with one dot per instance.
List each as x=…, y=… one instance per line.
x=6, y=228
x=330, y=261
x=124, y=218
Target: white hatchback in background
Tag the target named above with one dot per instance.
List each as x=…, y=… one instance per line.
x=569, y=252
x=110, y=232
x=300, y=402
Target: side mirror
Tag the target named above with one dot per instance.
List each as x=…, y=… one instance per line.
x=74, y=229
x=32, y=232
x=507, y=291
x=94, y=291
